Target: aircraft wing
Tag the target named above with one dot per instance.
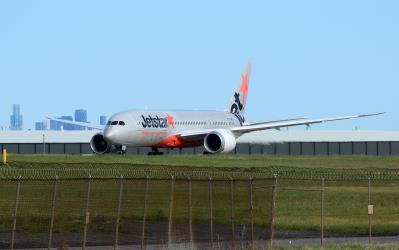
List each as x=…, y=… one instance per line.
x=290, y=123
x=238, y=131
x=83, y=124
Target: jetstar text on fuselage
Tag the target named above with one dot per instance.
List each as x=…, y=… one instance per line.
x=155, y=122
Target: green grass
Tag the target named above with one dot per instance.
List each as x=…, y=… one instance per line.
x=215, y=161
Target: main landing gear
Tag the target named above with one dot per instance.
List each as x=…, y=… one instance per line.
x=121, y=149
x=155, y=151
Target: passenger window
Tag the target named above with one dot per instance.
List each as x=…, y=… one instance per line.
x=122, y=123
x=114, y=123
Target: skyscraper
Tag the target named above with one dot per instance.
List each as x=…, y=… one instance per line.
x=67, y=126
x=41, y=125
x=103, y=120
x=80, y=116
x=56, y=125
x=16, y=118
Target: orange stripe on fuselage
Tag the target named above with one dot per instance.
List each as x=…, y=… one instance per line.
x=175, y=141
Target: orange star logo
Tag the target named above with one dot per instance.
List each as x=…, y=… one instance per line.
x=244, y=86
x=170, y=121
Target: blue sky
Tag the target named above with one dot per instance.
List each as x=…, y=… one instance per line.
x=310, y=58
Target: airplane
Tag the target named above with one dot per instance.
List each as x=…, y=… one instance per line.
x=217, y=131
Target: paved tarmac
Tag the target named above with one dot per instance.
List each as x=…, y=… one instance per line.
x=334, y=240
x=277, y=243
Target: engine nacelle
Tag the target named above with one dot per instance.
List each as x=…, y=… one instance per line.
x=99, y=145
x=220, y=141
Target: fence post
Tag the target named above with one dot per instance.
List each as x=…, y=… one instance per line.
x=87, y=214
x=118, y=215
x=273, y=208
x=171, y=201
x=144, y=212
x=322, y=212
x=44, y=144
x=369, y=193
x=251, y=207
x=190, y=213
x=50, y=238
x=14, y=224
x=211, y=210
x=232, y=212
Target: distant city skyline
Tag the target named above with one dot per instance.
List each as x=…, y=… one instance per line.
x=16, y=121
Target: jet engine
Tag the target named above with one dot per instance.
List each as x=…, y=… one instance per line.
x=99, y=145
x=220, y=141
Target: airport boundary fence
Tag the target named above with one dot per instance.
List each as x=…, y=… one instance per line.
x=225, y=211
x=329, y=211
x=139, y=212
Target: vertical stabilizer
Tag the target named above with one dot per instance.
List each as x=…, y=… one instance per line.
x=239, y=99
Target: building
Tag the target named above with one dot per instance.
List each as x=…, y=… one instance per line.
x=67, y=126
x=80, y=116
x=56, y=125
x=41, y=126
x=16, y=119
x=103, y=120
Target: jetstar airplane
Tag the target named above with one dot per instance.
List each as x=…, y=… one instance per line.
x=217, y=131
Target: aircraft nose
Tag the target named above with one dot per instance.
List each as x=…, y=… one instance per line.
x=110, y=135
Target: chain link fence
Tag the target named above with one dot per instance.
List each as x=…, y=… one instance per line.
x=324, y=211
x=138, y=212
x=215, y=212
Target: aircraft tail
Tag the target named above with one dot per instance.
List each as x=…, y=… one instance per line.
x=239, y=99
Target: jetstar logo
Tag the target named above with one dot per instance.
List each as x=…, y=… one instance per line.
x=156, y=122
x=237, y=105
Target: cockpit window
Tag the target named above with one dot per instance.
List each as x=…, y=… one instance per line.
x=108, y=123
x=114, y=123
x=122, y=123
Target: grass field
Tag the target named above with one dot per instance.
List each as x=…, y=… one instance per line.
x=298, y=195
x=334, y=167
x=256, y=162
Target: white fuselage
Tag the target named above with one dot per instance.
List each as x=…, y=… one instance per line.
x=153, y=128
